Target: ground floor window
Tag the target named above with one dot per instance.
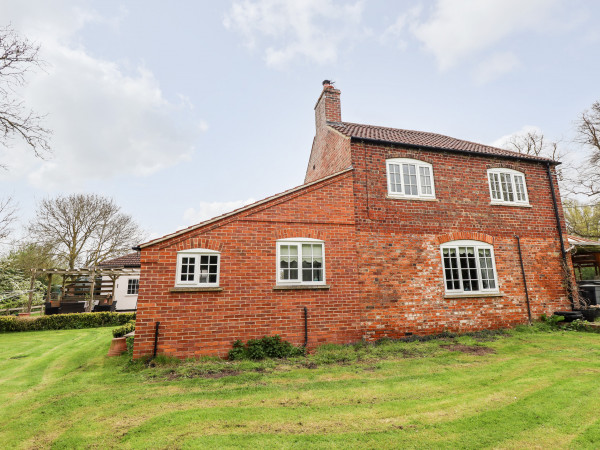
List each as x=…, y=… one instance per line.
x=300, y=261
x=198, y=267
x=469, y=267
x=133, y=286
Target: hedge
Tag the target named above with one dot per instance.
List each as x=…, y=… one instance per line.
x=64, y=321
x=125, y=329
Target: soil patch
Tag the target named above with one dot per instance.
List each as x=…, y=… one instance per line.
x=470, y=349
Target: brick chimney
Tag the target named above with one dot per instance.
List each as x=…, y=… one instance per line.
x=328, y=107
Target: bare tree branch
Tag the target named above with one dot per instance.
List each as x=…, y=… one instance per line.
x=18, y=56
x=84, y=229
x=8, y=215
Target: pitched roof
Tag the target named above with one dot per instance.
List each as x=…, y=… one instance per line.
x=579, y=241
x=425, y=140
x=129, y=260
x=242, y=209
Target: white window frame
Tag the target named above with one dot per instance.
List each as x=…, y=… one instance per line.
x=498, y=172
x=401, y=162
x=138, y=286
x=298, y=242
x=197, y=253
x=477, y=245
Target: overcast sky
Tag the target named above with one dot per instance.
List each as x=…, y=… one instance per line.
x=184, y=110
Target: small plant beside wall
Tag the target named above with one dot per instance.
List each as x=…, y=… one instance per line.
x=266, y=347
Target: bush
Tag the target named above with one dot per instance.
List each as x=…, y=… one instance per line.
x=64, y=321
x=125, y=329
x=130, y=346
x=266, y=347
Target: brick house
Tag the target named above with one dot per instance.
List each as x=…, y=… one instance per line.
x=393, y=232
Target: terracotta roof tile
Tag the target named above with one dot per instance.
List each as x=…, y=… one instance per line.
x=423, y=139
x=129, y=260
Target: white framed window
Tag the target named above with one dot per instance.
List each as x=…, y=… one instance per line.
x=300, y=261
x=198, y=267
x=469, y=267
x=507, y=186
x=409, y=178
x=133, y=286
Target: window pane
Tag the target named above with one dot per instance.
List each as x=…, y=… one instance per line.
x=213, y=259
x=487, y=269
x=212, y=269
x=204, y=259
x=520, y=188
x=288, y=260
x=306, y=275
x=450, y=268
x=507, y=188
x=425, y=180
x=188, y=268
x=212, y=278
x=394, y=177
x=495, y=186
x=410, y=179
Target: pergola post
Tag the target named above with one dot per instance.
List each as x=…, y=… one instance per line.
x=31, y=286
x=49, y=293
x=92, y=286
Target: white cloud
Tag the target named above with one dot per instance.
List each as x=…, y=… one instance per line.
x=105, y=122
x=208, y=210
x=457, y=29
x=495, y=66
x=286, y=30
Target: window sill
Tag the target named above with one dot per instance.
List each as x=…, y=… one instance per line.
x=419, y=199
x=286, y=287
x=518, y=205
x=195, y=289
x=481, y=294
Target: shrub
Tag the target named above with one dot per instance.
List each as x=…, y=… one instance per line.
x=64, y=321
x=130, y=346
x=125, y=329
x=266, y=347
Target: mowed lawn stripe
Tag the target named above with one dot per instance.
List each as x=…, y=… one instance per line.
x=538, y=388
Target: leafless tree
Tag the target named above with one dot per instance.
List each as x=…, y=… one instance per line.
x=534, y=143
x=8, y=215
x=588, y=134
x=18, y=56
x=84, y=229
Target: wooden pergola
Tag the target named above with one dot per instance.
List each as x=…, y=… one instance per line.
x=83, y=277
x=586, y=253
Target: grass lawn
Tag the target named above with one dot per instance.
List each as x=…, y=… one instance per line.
x=58, y=389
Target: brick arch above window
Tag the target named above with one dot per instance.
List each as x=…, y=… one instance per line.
x=294, y=232
x=200, y=242
x=464, y=236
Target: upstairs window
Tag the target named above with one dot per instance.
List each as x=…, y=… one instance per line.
x=198, y=267
x=469, y=267
x=133, y=286
x=300, y=261
x=409, y=178
x=507, y=186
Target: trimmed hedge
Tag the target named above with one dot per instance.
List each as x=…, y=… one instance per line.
x=125, y=329
x=64, y=321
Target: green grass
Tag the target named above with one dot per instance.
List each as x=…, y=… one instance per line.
x=59, y=390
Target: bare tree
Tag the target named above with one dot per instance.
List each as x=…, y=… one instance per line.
x=588, y=134
x=534, y=143
x=84, y=229
x=8, y=215
x=18, y=56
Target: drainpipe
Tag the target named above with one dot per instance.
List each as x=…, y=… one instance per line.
x=305, y=327
x=559, y=228
x=155, y=340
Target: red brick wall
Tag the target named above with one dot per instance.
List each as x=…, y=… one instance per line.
x=400, y=267
x=201, y=323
